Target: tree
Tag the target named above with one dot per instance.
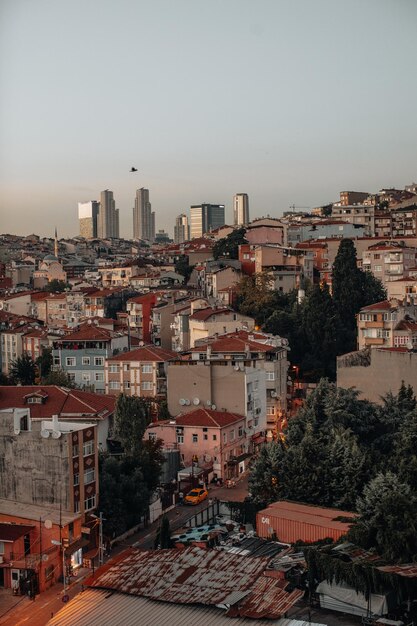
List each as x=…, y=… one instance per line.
x=56, y=286
x=388, y=519
x=229, y=246
x=372, y=289
x=346, y=283
x=23, y=370
x=132, y=416
x=183, y=267
x=163, y=535
x=44, y=363
x=256, y=296
x=263, y=479
x=60, y=378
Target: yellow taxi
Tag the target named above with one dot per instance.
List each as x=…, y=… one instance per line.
x=196, y=496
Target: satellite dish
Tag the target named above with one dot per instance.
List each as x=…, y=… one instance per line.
x=208, y=402
x=236, y=368
x=187, y=402
x=56, y=434
x=214, y=407
x=409, y=345
x=17, y=431
x=196, y=401
x=182, y=402
x=45, y=433
x=273, y=394
x=45, y=557
x=207, y=457
x=48, y=524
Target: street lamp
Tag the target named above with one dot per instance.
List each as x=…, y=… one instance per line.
x=64, y=577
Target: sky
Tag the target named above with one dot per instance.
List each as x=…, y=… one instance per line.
x=290, y=101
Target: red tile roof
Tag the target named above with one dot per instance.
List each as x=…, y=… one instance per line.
x=11, y=532
x=235, y=342
x=88, y=332
x=146, y=353
x=207, y=417
x=204, y=314
x=59, y=401
x=385, y=305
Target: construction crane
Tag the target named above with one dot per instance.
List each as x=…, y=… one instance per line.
x=293, y=207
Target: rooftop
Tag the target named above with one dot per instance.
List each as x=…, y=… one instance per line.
x=36, y=512
x=146, y=353
x=208, y=417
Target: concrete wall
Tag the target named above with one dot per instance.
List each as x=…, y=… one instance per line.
x=32, y=469
x=387, y=371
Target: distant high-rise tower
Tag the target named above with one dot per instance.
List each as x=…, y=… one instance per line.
x=143, y=217
x=56, y=243
x=241, y=209
x=87, y=217
x=205, y=218
x=181, y=229
x=108, y=217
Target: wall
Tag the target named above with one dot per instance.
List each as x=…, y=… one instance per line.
x=387, y=371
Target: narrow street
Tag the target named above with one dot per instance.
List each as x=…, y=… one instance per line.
x=25, y=612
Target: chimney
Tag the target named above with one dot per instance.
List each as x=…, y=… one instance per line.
x=55, y=423
x=208, y=355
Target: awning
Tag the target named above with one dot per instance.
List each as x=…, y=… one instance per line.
x=76, y=545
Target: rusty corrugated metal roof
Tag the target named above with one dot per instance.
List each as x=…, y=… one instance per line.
x=267, y=600
x=408, y=570
x=191, y=576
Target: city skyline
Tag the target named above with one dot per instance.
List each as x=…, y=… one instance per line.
x=320, y=115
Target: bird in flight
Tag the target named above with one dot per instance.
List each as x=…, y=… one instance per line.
x=133, y=169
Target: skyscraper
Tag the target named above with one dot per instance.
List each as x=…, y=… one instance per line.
x=205, y=218
x=87, y=217
x=143, y=217
x=181, y=229
x=108, y=217
x=241, y=209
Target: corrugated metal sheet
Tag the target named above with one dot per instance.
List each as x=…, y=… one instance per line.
x=408, y=570
x=95, y=607
x=191, y=576
x=267, y=600
x=292, y=522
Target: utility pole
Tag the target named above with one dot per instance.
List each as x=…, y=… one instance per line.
x=101, y=547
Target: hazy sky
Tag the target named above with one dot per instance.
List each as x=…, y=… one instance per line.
x=290, y=101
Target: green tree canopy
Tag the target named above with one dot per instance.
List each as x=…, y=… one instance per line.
x=183, y=267
x=132, y=416
x=44, y=363
x=229, y=246
x=57, y=286
x=23, y=370
x=59, y=377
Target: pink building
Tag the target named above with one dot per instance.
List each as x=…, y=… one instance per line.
x=216, y=438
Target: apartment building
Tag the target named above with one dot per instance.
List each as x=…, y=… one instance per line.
x=389, y=261
x=82, y=354
x=265, y=352
x=288, y=267
x=139, y=310
x=377, y=323
x=361, y=215
x=214, y=438
x=223, y=384
x=216, y=320
x=141, y=372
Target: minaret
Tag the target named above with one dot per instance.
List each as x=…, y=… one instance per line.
x=56, y=244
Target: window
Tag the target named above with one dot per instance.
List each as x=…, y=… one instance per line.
x=114, y=384
x=86, y=360
x=70, y=361
x=377, y=268
x=214, y=437
x=76, y=479
x=126, y=367
x=270, y=410
x=99, y=361
x=146, y=369
x=152, y=436
x=195, y=438
x=205, y=437
x=76, y=506
x=126, y=385
x=86, y=377
x=113, y=369
x=75, y=450
x=99, y=377
x=180, y=438
x=270, y=376
x=147, y=386
x=90, y=503
x=240, y=432
x=57, y=360
x=1, y=547
x=224, y=437
x=88, y=448
x=232, y=435
x=71, y=376
x=89, y=476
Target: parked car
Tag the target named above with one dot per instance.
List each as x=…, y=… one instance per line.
x=196, y=496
